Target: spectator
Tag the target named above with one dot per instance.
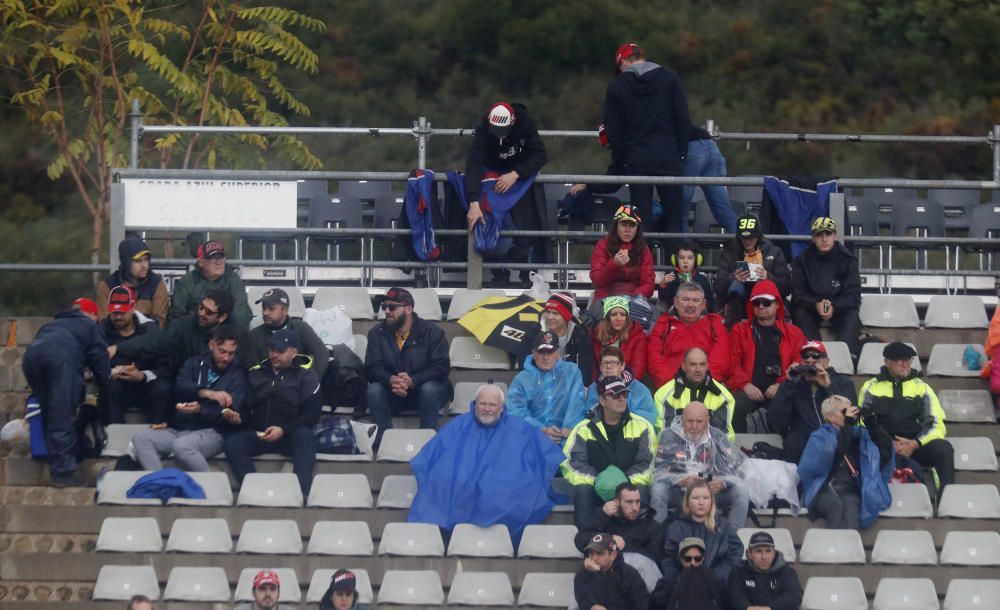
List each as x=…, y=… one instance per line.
x=763, y=347
x=53, y=365
x=704, y=159
x=694, y=587
x=622, y=263
x=687, y=261
x=507, y=143
x=909, y=411
x=640, y=401
x=285, y=403
x=794, y=412
x=143, y=383
x=647, y=123
x=274, y=313
x=547, y=390
x=764, y=579
x=723, y=548
x=140, y=602
x=606, y=582
x=746, y=260
x=342, y=594
x=611, y=443
x=826, y=286
x=266, y=592
x=694, y=383
x=619, y=330
x=211, y=392
x=485, y=467
x=690, y=450
x=212, y=273
x=560, y=318
x=845, y=468
x=135, y=272
x=689, y=326
x=407, y=364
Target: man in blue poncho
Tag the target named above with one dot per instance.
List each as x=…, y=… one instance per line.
x=485, y=467
x=548, y=389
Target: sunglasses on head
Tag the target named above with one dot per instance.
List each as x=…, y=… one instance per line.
x=698, y=558
x=762, y=303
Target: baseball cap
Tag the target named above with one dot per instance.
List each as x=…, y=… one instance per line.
x=615, y=386
x=121, y=298
x=760, y=539
x=266, y=577
x=625, y=51
x=284, y=339
x=824, y=224
x=344, y=580
x=86, y=305
x=500, y=119
x=274, y=296
x=545, y=342
x=897, y=350
x=627, y=212
x=813, y=346
x=211, y=249
x=748, y=225
x=398, y=295
x=562, y=303
x=602, y=542
x=764, y=297
x=689, y=542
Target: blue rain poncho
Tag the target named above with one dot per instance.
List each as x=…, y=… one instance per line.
x=546, y=398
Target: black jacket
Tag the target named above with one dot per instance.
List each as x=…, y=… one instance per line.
x=832, y=276
x=643, y=536
x=253, y=347
x=194, y=376
x=646, y=117
x=621, y=587
x=182, y=339
x=150, y=361
x=778, y=588
x=794, y=413
x=288, y=398
x=689, y=589
x=522, y=150
x=74, y=338
x=424, y=356
x=774, y=263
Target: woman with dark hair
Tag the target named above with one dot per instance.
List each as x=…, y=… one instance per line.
x=622, y=263
x=619, y=330
x=342, y=594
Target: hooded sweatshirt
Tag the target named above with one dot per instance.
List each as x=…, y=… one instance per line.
x=777, y=588
x=151, y=297
x=522, y=150
x=745, y=335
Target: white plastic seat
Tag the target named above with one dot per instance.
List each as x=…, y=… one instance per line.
x=970, y=502
x=290, y=592
x=946, y=360
x=870, y=361
x=464, y=299
x=549, y=542
x=218, y=491
x=972, y=593
x=276, y=489
x=782, y=540
x=352, y=301
x=270, y=537
x=546, y=589
x=972, y=406
x=397, y=491
x=910, y=500
x=411, y=588
x=834, y=593
x=200, y=536
x=130, y=535
x=120, y=437
x=971, y=549
x=831, y=546
x=120, y=583
x=209, y=584
x=341, y=538
x=296, y=302
x=426, y=304
x=340, y=491
x=974, y=453
x=481, y=589
x=401, y=444
x=321, y=582
x=468, y=540
x=955, y=311
x=116, y=484
x=910, y=547
x=411, y=540
x=889, y=311
x=906, y=594
x=465, y=393
x=840, y=357
x=361, y=346
x=469, y=353
x=748, y=440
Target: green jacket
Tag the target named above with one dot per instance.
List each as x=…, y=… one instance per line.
x=253, y=348
x=907, y=408
x=588, y=453
x=674, y=395
x=192, y=288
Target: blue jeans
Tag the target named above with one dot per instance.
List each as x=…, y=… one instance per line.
x=427, y=399
x=704, y=160
x=299, y=443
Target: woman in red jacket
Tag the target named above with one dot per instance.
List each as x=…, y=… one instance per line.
x=622, y=263
x=624, y=333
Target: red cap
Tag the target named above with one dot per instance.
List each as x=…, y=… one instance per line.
x=211, y=249
x=266, y=577
x=86, y=306
x=121, y=299
x=625, y=51
x=814, y=346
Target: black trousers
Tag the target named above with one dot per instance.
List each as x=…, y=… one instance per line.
x=939, y=455
x=745, y=406
x=846, y=325
x=152, y=397
x=841, y=511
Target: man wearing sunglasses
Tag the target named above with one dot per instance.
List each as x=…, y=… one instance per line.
x=606, y=581
x=407, y=364
x=795, y=411
x=694, y=587
x=274, y=312
x=211, y=273
x=764, y=580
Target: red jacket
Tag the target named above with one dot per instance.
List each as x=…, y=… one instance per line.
x=671, y=339
x=743, y=348
x=634, y=350
x=610, y=279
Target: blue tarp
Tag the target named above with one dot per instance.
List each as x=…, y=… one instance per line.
x=417, y=203
x=496, y=210
x=798, y=207
x=165, y=484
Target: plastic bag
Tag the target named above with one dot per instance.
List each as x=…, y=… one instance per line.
x=331, y=326
x=971, y=358
x=539, y=290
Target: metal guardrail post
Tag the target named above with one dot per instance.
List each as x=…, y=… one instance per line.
x=135, y=121
x=996, y=153
x=474, y=275
x=423, y=131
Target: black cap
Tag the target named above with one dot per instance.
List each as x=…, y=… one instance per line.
x=284, y=339
x=615, y=386
x=398, y=295
x=898, y=350
x=748, y=225
x=274, y=296
x=601, y=542
x=761, y=539
x=344, y=580
x=545, y=342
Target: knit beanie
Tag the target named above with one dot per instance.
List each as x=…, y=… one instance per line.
x=613, y=302
x=562, y=303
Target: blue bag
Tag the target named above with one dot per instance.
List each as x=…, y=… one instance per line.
x=36, y=429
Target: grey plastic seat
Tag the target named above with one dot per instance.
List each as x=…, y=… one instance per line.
x=889, y=311
x=296, y=302
x=426, y=304
x=946, y=360
x=209, y=584
x=967, y=406
x=465, y=393
x=782, y=540
x=910, y=547
x=361, y=346
x=909, y=500
x=270, y=537
x=957, y=203
x=277, y=489
x=974, y=453
x=120, y=583
x=200, y=536
x=341, y=538
x=397, y=491
x=955, y=311
x=906, y=594
x=468, y=540
x=464, y=299
x=364, y=189
x=971, y=593
x=546, y=589
x=549, y=542
x=834, y=593
x=469, y=353
x=747, y=440
x=353, y=301
x=481, y=589
x=870, y=361
x=119, y=438
x=401, y=444
x=411, y=540
x=321, y=581
x=130, y=535
x=970, y=502
x=411, y=588
x=971, y=549
x=218, y=491
x=831, y=546
x=340, y=491
x=840, y=357
x=116, y=484
x=290, y=592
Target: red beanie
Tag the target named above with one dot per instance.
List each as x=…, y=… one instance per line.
x=561, y=303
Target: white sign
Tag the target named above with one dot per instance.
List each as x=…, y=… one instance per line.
x=245, y=204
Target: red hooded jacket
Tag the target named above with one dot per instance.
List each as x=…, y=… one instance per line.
x=743, y=348
x=610, y=279
x=670, y=339
x=634, y=350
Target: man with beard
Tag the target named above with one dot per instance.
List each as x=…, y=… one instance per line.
x=212, y=273
x=266, y=592
x=135, y=272
x=764, y=580
x=274, y=312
